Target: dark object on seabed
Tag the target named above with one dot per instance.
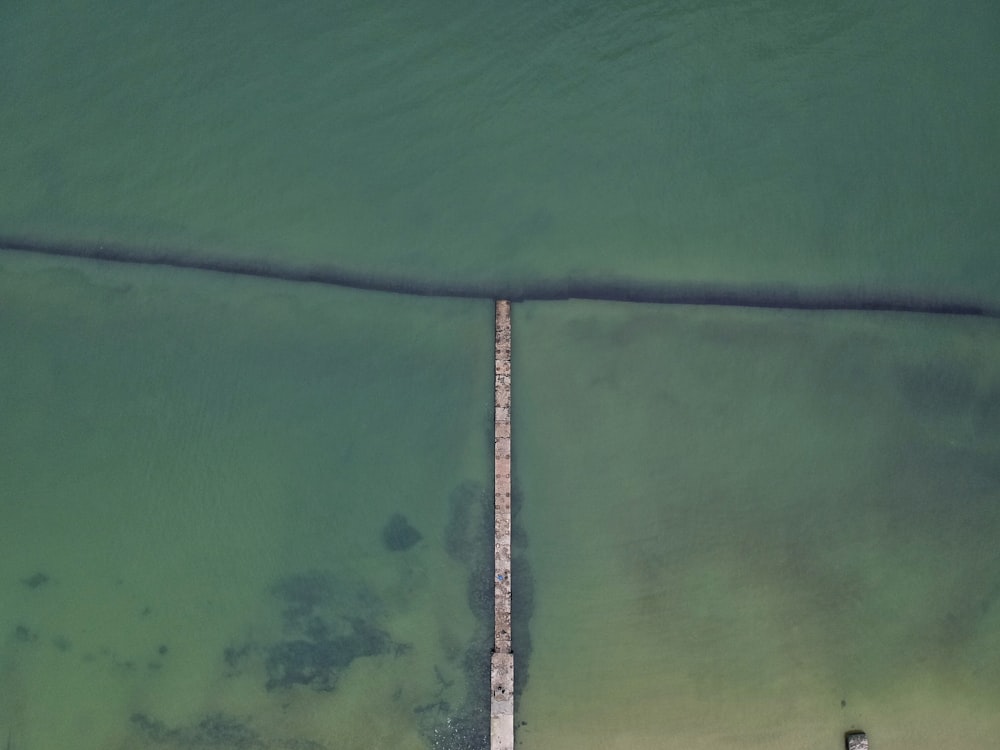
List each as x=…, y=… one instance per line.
x=856, y=740
x=398, y=534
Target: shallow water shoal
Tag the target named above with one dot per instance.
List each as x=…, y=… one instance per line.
x=178, y=445
x=752, y=529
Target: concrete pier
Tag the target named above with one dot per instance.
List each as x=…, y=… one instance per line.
x=502, y=663
x=856, y=741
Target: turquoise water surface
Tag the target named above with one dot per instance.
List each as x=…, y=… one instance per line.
x=199, y=475
x=758, y=529
x=766, y=141
x=240, y=513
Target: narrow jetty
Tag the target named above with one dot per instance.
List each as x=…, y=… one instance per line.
x=502, y=662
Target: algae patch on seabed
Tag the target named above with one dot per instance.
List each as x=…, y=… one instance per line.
x=399, y=534
x=468, y=539
x=37, y=580
x=327, y=623
x=317, y=624
x=321, y=625
x=215, y=731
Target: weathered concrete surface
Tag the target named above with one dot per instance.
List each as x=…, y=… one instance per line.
x=502, y=662
x=856, y=741
x=502, y=702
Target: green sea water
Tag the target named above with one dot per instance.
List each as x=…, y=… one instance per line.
x=757, y=530
x=734, y=529
x=197, y=473
x=804, y=142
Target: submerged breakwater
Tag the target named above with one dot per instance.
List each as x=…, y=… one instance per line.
x=778, y=297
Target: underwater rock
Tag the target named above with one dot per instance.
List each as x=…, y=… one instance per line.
x=398, y=534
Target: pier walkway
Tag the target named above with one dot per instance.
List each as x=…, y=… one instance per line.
x=502, y=662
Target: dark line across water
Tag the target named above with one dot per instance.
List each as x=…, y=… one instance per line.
x=778, y=297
